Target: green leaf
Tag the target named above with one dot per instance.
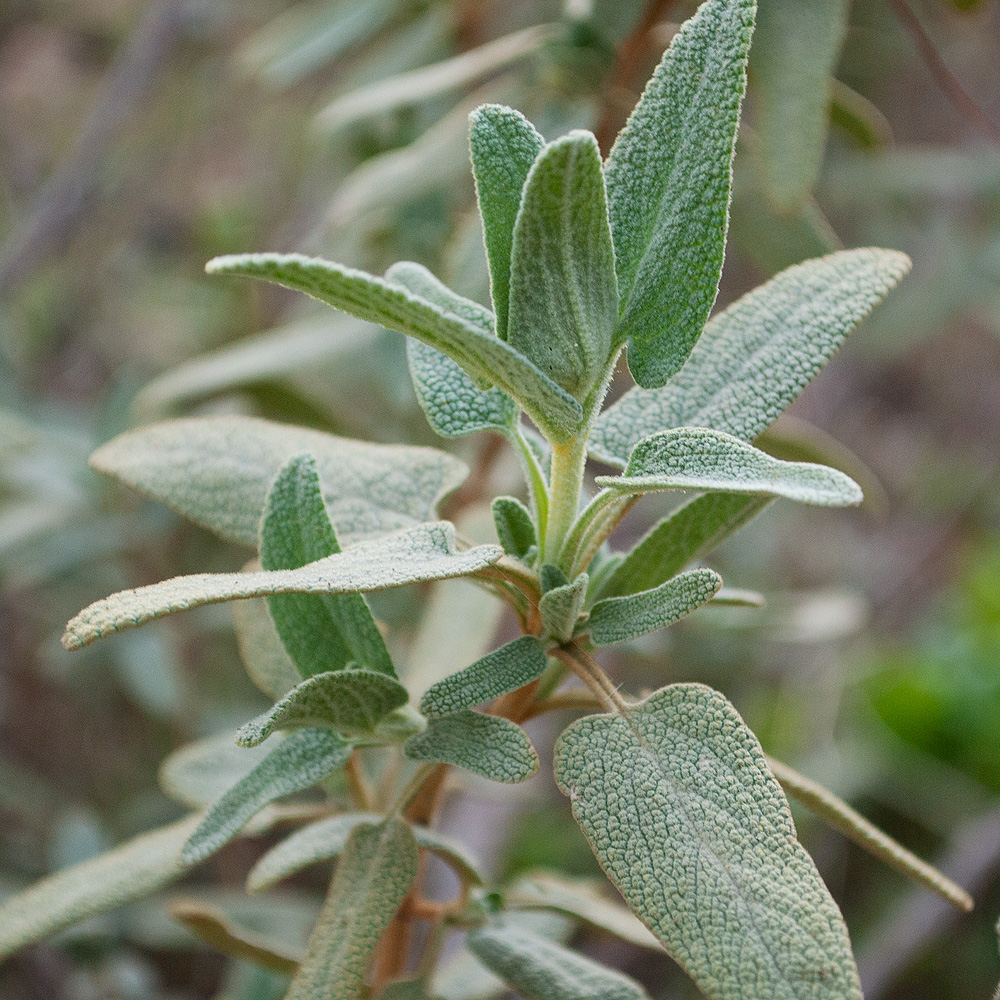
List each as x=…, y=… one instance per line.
x=669, y=176
x=393, y=306
x=218, y=471
x=135, y=869
x=563, y=293
x=426, y=552
x=199, y=773
x=560, y=608
x=757, y=355
x=515, y=527
x=505, y=669
x=551, y=576
x=540, y=969
x=496, y=748
x=504, y=144
x=326, y=631
x=376, y=871
x=859, y=118
x=695, y=458
x=619, y=619
x=297, y=763
x=263, y=653
x=679, y=806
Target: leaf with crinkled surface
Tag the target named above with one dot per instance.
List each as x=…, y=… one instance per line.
x=540, y=969
x=619, y=619
x=496, y=748
x=261, y=649
x=563, y=293
x=132, y=871
x=515, y=526
x=758, y=354
x=376, y=871
x=669, y=176
x=696, y=458
x=506, y=669
x=392, y=305
x=217, y=471
x=678, y=803
x=426, y=552
x=560, y=608
x=297, y=763
x=199, y=773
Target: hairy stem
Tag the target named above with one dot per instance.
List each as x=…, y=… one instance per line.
x=589, y=671
x=565, y=486
x=536, y=480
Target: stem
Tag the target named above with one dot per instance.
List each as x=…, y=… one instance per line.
x=597, y=521
x=575, y=699
x=535, y=479
x=411, y=789
x=565, y=486
x=356, y=785
x=589, y=671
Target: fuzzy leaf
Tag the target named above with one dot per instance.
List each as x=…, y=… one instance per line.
x=496, y=748
x=199, y=773
x=695, y=458
x=758, y=354
x=217, y=471
x=505, y=669
x=426, y=552
x=669, y=177
x=619, y=619
x=132, y=871
x=297, y=763
x=392, y=305
x=376, y=871
x=261, y=649
x=560, y=608
x=679, y=806
x=563, y=293
x=515, y=526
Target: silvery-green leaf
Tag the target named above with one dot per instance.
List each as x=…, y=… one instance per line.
x=619, y=619
x=217, y=471
x=551, y=576
x=504, y=144
x=678, y=803
x=484, y=357
x=758, y=354
x=261, y=649
x=515, y=526
x=199, y=773
x=376, y=871
x=669, y=175
x=506, y=669
x=298, y=762
x=560, y=608
x=696, y=458
x=486, y=744
x=353, y=702
x=563, y=293
x=426, y=552
x=320, y=631
x=859, y=117
x=135, y=869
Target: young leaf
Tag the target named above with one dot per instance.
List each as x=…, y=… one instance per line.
x=563, y=293
x=679, y=806
x=504, y=144
x=619, y=619
x=669, y=176
x=426, y=552
x=515, y=526
x=695, y=458
x=376, y=871
x=199, y=773
x=297, y=763
x=132, y=871
x=540, y=969
x=324, y=631
x=496, y=748
x=353, y=702
x=758, y=354
x=505, y=669
x=551, y=576
x=560, y=608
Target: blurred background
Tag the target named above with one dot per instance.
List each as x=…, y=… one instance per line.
x=137, y=140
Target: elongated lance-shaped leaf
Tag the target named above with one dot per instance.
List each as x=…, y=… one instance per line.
x=218, y=471
x=560, y=608
x=297, y=763
x=426, y=552
x=326, y=839
x=563, y=293
x=540, y=969
x=515, y=526
x=505, y=669
x=322, y=631
x=853, y=825
x=696, y=458
x=131, y=871
x=686, y=819
x=376, y=871
x=353, y=702
x=619, y=619
x=484, y=357
x=504, y=144
x=197, y=774
x=261, y=649
x=496, y=748
x=669, y=177
x=758, y=354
